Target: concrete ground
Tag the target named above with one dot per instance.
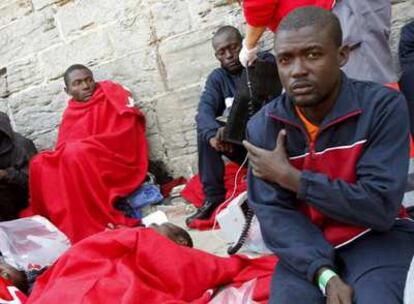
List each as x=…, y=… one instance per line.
x=177, y=212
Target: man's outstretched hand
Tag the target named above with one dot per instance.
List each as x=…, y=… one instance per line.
x=273, y=166
x=217, y=142
x=338, y=292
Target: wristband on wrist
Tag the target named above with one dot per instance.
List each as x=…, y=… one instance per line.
x=324, y=278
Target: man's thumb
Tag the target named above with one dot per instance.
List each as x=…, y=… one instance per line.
x=281, y=137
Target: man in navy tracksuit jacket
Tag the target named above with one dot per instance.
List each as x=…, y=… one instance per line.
x=219, y=89
x=328, y=165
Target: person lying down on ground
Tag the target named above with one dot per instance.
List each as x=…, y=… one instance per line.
x=147, y=265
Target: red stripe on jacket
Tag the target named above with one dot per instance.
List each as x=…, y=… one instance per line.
x=337, y=163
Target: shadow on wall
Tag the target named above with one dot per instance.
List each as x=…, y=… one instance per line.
x=160, y=171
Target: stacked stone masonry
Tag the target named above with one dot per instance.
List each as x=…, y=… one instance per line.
x=160, y=49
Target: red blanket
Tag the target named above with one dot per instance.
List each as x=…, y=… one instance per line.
x=193, y=193
x=269, y=13
x=101, y=154
x=138, y=265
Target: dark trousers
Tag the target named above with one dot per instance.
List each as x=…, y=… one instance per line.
x=407, y=88
x=211, y=169
x=375, y=265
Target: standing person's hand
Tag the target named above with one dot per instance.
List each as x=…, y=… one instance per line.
x=218, y=143
x=248, y=54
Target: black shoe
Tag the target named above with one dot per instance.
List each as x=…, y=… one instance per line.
x=203, y=213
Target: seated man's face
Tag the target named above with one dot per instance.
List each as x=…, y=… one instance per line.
x=227, y=47
x=309, y=64
x=81, y=85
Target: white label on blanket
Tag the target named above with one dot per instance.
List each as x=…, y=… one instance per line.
x=131, y=102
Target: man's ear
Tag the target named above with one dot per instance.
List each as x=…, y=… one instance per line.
x=343, y=55
x=66, y=90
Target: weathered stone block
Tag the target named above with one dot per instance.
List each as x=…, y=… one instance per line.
x=11, y=10
x=27, y=36
x=175, y=113
x=37, y=112
x=41, y=4
x=42, y=122
x=50, y=95
x=206, y=14
x=4, y=92
x=46, y=140
x=402, y=13
x=188, y=58
x=4, y=107
x=91, y=49
x=76, y=17
x=267, y=42
x=156, y=147
x=171, y=17
x=130, y=35
x=138, y=72
x=23, y=73
x=178, y=106
x=199, y=8
x=151, y=120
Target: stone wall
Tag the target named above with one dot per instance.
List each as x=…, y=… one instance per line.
x=160, y=49
x=402, y=13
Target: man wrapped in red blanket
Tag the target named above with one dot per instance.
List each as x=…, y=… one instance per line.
x=100, y=155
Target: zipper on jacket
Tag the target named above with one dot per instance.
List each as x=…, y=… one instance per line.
x=338, y=120
x=307, y=136
x=312, y=149
x=311, y=144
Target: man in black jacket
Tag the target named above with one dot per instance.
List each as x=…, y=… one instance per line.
x=218, y=94
x=15, y=153
x=217, y=97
